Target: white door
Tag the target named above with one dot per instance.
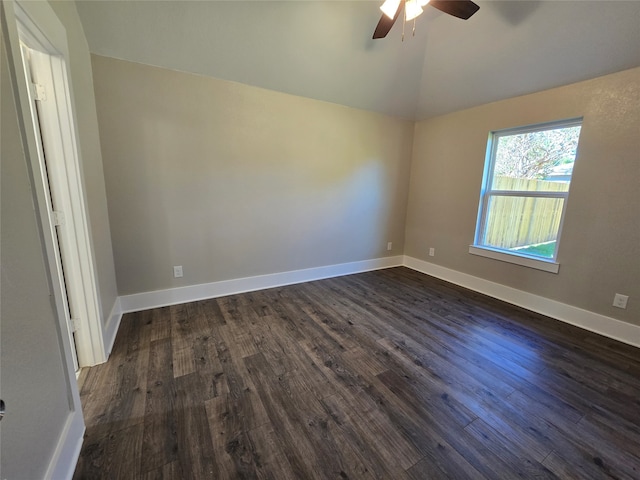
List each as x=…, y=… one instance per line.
x=38, y=72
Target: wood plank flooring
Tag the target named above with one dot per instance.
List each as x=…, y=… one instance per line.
x=382, y=375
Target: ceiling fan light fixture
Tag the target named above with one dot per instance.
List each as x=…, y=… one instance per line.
x=412, y=9
x=390, y=7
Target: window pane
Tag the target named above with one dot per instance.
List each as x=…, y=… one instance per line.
x=535, y=161
x=526, y=225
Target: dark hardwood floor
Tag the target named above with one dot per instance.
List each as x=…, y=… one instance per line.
x=389, y=374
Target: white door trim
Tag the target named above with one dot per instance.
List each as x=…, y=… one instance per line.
x=39, y=28
x=58, y=230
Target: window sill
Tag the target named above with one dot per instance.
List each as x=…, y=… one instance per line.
x=545, y=265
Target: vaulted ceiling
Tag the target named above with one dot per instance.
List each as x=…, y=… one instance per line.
x=323, y=49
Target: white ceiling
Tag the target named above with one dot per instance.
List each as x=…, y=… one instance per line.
x=324, y=50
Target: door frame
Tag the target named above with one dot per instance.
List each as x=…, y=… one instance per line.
x=36, y=25
x=41, y=65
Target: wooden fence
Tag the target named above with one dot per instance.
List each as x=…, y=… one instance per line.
x=512, y=223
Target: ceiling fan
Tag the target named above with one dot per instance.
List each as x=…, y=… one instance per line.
x=391, y=10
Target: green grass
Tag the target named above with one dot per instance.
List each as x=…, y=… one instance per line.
x=542, y=250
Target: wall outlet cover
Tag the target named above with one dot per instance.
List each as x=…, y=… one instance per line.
x=620, y=300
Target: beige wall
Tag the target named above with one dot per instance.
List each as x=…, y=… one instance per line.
x=33, y=382
x=599, y=253
x=231, y=181
x=91, y=158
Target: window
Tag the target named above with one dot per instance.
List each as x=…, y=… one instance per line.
x=524, y=193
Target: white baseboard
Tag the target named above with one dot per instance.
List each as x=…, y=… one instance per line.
x=601, y=324
x=111, y=328
x=594, y=322
x=65, y=458
x=173, y=296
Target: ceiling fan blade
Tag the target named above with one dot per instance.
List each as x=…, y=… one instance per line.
x=385, y=24
x=458, y=8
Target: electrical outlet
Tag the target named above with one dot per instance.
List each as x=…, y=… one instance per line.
x=389, y=245
x=620, y=300
x=432, y=252
x=177, y=271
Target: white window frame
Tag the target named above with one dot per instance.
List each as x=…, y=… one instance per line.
x=486, y=193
